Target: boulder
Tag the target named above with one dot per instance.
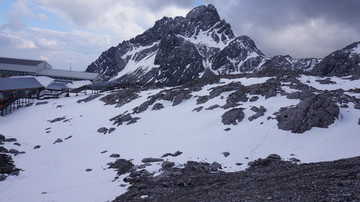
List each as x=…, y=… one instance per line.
x=122, y=166
x=233, y=116
x=167, y=164
x=215, y=166
x=157, y=106
x=102, y=130
x=59, y=140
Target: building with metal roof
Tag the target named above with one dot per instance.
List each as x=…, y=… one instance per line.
x=22, y=67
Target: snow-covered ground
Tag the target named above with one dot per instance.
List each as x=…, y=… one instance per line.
x=57, y=172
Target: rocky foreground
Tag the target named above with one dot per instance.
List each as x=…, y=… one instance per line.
x=269, y=179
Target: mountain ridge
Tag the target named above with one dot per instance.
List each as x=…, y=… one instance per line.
x=180, y=49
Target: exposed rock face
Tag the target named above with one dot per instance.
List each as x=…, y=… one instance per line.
x=286, y=62
x=341, y=62
x=316, y=111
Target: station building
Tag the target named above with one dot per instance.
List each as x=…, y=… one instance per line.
x=23, y=67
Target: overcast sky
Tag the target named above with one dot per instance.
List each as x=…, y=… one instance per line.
x=75, y=32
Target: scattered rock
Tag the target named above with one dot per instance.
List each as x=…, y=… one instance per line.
x=215, y=166
x=133, y=120
x=202, y=99
x=13, y=151
x=213, y=107
x=68, y=137
x=151, y=160
x=103, y=152
x=325, y=81
x=254, y=98
x=37, y=147
x=157, y=106
x=357, y=106
x=359, y=122
x=2, y=137
x=3, y=150
x=10, y=140
x=88, y=169
x=122, y=166
x=57, y=119
x=58, y=141
x=177, y=153
x=17, y=144
x=103, y=130
x=238, y=164
x=115, y=155
x=167, y=164
x=293, y=95
x=233, y=116
x=259, y=112
x=198, y=109
x=2, y=177
x=111, y=130
x=227, y=129
x=226, y=154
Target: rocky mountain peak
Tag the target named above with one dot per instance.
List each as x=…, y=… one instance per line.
x=204, y=13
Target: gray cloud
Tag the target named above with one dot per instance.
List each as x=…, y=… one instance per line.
x=303, y=28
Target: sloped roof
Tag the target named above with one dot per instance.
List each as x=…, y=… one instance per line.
x=20, y=61
x=9, y=84
x=68, y=74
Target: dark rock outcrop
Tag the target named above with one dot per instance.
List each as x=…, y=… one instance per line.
x=315, y=111
x=233, y=116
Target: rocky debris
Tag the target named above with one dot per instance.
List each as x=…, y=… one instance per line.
x=88, y=170
x=122, y=166
x=6, y=164
x=359, y=122
x=259, y=112
x=157, y=106
x=115, y=155
x=103, y=152
x=268, y=89
x=17, y=144
x=59, y=140
x=233, y=116
x=151, y=160
x=120, y=97
x=167, y=164
x=226, y=154
x=266, y=179
x=103, y=130
x=68, y=137
x=177, y=153
x=357, y=106
x=293, y=95
x=2, y=177
x=213, y=107
x=58, y=119
x=89, y=98
x=41, y=103
x=37, y=147
x=125, y=117
x=315, y=111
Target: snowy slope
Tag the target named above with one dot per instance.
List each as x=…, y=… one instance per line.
x=57, y=172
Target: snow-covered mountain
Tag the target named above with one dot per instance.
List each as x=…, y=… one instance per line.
x=341, y=62
x=180, y=49
x=72, y=147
